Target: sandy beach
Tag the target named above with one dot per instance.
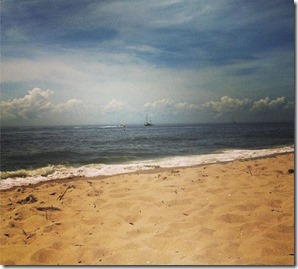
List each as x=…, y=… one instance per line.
x=235, y=213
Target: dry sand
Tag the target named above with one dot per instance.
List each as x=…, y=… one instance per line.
x=235, y=213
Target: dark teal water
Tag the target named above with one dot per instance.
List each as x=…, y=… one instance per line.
x=35, y=147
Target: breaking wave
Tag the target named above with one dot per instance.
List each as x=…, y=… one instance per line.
x=52, y=172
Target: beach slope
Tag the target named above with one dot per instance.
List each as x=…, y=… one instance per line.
x=236, y=213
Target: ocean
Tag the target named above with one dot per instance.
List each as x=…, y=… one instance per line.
x=33, y=154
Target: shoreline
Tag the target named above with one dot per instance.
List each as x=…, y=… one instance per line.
x=142, y=166
x=234, y=213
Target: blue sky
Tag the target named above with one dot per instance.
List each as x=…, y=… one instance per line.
x=180, y=61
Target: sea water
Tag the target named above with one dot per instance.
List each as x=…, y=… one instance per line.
x=33, y=154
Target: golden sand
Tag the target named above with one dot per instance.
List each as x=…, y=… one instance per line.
x=236, y=213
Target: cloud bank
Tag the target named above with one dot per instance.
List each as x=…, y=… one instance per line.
x=227, y=105
x=39, y=104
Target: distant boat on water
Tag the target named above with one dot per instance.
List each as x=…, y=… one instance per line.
x=122, y=125
x=234, y=121
x=147, y=123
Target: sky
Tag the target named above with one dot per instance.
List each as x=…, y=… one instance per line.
x=67, y=62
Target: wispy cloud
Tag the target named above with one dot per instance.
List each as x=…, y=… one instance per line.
x=220, y=32
x=173, y=55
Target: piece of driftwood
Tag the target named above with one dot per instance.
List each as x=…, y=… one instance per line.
x=48, y=208
x=60, y=197
x=28, y=235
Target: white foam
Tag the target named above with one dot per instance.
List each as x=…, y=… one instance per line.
x=26, y=177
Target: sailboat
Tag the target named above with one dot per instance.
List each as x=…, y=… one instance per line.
x=147, y=121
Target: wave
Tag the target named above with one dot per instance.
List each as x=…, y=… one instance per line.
x=108, y=126
x=22, y=177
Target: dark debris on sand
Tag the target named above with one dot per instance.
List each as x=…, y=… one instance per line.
x=30, y=199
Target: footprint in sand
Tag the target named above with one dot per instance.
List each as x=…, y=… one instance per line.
x=43, y=256
x=233, y=218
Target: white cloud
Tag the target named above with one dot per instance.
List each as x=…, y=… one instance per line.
x=30, y=106
x=264, y=109
x=159, y=104
x=114, y=106
x=227, y=104
x=36, y=104
x=183, y=106
x=70, y=105
x=267, y=103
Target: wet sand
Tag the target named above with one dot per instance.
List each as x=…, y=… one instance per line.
x=236, y=213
